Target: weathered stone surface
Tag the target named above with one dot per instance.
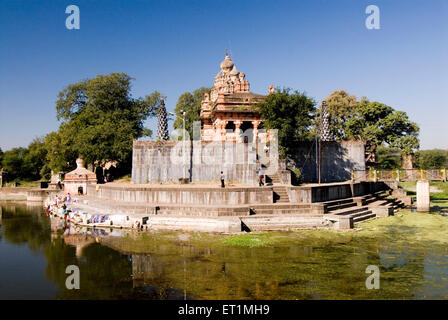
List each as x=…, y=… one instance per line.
x=423, y=196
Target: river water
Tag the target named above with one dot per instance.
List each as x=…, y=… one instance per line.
x=114, y=264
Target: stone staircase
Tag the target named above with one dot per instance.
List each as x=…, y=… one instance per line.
x=280, y=194
x=272, y=179
x=353, y=210
x=286, y=222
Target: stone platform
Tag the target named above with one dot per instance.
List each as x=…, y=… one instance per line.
x=241, y=208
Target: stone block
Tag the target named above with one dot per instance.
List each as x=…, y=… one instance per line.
x=423, y=196
x=382, y=211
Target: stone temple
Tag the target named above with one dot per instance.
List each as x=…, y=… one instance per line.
x=228, y=111
x=233, y=139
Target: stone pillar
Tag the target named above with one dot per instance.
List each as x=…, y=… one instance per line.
x=223, y=124
x=423, y=196
x=255, y=132
x=238, y=131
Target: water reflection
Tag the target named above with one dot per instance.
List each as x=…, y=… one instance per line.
x=116, y=264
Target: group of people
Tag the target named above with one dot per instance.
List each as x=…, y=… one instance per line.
x=60, y=201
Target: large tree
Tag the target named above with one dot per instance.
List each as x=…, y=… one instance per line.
x=375, y=123
x=291, y=113
x=341, y=106
x=13, y=163
x=100, y=119
x=35, y=160
x=190, y=102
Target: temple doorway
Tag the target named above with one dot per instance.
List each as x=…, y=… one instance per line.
x=247, y=131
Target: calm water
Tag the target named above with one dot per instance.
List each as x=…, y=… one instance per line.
x=166, y=265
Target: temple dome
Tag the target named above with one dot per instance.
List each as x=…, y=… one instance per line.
x=234, y=71
x=226, y=64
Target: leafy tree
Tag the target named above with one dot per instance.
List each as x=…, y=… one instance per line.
x=375, y=123
x=388, y=158
x=431, y=159
x=61, y=155
x=13, y=163
x=35, y=159
x=1, y=157
x=100, y=120
x=341, y=106
x=291, y=113
x=190, y=102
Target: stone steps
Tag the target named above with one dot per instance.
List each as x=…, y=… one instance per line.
x=270, y=223
x=280, y=195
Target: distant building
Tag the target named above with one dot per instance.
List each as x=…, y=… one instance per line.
x=76, y=181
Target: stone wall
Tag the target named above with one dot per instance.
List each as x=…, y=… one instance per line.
x=322, y=193
x=338, y=160
x=188, y=195
x=154, y=162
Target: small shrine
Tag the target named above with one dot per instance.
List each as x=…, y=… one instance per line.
x=76, y=181
x=229, y=110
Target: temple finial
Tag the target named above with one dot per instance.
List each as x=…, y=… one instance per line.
x=227, y=53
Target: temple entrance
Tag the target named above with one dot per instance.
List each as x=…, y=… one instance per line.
x=247, y=131
x=230, y=126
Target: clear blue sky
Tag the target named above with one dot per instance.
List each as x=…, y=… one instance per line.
x=314, y=46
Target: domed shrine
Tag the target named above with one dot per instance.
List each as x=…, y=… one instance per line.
x=228, y=113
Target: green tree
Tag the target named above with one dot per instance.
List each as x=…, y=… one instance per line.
x=341, y=106
x=61, y=155
x=190, y=102
x=35, y=159
x=1, y=157
x=292, y=114
x=13, y=163
x=375, y=123
x=100, y=120
x=431, y=159
x=388, y=158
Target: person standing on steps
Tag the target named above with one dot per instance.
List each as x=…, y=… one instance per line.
x=222, y=180
x=260, y=178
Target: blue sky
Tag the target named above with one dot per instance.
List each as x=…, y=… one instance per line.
x=314, y=46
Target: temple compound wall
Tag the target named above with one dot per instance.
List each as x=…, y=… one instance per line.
x=197, y=161
x=338, y=160
x=164, y=162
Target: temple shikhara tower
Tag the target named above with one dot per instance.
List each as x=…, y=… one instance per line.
x=229, y=110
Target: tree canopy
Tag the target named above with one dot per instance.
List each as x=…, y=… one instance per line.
x=100, y=120
x=376, y=123
x=341, y=106
x=291, y=113
x=190, y=102
x=431, y=159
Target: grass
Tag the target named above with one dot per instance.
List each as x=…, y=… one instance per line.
x=249, y=240
x=437, y=198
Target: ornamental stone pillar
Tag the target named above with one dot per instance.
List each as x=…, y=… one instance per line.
x=255, y=132
x=238, y=131
x=223, y=130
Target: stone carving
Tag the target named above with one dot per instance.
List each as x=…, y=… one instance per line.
x=162, y=125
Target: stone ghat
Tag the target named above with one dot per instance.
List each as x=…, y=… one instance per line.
x=212, y=195
x=196, y=195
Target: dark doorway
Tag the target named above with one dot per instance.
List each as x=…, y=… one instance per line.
x=246, y=130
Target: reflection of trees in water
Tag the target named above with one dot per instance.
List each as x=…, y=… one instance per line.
x=303, y=269
x=21, y=227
